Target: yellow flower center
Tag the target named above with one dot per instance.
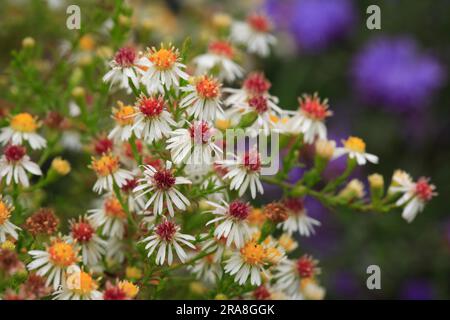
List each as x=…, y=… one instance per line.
x=105, y=165
x=274, y=255
x=253, y=253
x=129, y=288
x=61, y=166
x=24, y=122
x=114, y=209
x=62, y=254
x=207, y=87
x=124, y=115
x=5, y=212
x=87, y=43
x=355, y=144
x=164, y=59
x=81, y=283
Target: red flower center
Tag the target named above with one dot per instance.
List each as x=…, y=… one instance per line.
x=424, y=190
x=259, y=23
x=256, y=83
x=295, y=205
x=152, y=106
x=261, y=293
x=129, y=185
x=314, y=108
x=164, y=179
x=239, y=210
x=166, y=230
x=200, y=132
x=220, y=169
x=114, y=293
x=125, y=57
x=14, y=153
x=82, y=231
x=306, y=267
x=222, y=48
x=259, y=103
x=252, y=161
x=103, y=145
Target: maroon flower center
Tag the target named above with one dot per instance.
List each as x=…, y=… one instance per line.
x=166, y=230
x=252, y=161
x=125, y=57
x=200, y=132
x=306, y=267
x=164, y=179
x=14, y=153
x=114, y=293
x=151, y=107
x=259, y=22
x=259, y=103
x=424, y=190
x=129, y=185
x=239, y=210
x=82, y=231
x=103, y=145
x=294, y=205
x=261, y=293
x=256, y=83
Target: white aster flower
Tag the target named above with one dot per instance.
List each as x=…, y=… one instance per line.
x=22, y=127
x=167, y=237
x=298, y=219
x=161, y=69
x=203, y=99
x=15, y=163
x=124, y=119
x=415, y=195
x=232, y=219
x=78, y=285
x=244, y=172
x=254, y=33
x=111, y=217
x=194, y=145
x=123, y=69
x=220, y=54
x=6, y=226
x=161, y=183
x=152, y=120
x=108, y=171
x=356, y=149
x=54, y=261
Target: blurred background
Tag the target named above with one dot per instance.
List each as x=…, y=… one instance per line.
x=389, y=86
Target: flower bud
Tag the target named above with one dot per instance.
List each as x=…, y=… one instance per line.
x=220, y=296
x=311, y=290
x=61, y=166
x=353, y=190
x=376, y=181
x=133, y=273
x=275, y=212
x=221, y=20
x=197, y=287
x=325, y=148
x=78, y=92
x=28, y=42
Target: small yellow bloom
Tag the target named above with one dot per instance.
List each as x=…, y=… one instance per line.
x=131, y=290
x=223, y=124
x=8, y=245
x=355, y=144
x=325, y=148
x=221, y=20
x=28, y=42
x=376, y=181
x=87, y=43
x=61, y=166
x=354, y=189
x=133, y=273
x=78, y=92
x=24, y=122
x=220, y=296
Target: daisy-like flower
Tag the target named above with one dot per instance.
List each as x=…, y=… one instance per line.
x=310, y=118
x=108, y=171
x=15, y=163
x=247, y=261
x=135, y=204
x=289, y=273
x=298, y=219
x=124, y=119
x=255, y=34
x=266, y=112
x=162, y=183
x=123, y=69
x=206, y=269
x=244, y=172
x=79, y=285
x=220, y=54
x=162, y=69
x=152, y=120
x=203, y=99
x=194, y=145
x=6, y=227
x=115, y=249
x=233, y=221
x=22, y=127
x=167, y=236
x=92, y=246
x=415, y=195
x=110, y=217
x=54, y=261
x=255, y=84
x=356, y=149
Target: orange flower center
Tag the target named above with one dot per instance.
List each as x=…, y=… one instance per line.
x=163, y=59
x=5, y=212
x=114, y=209
x=62, y=254
x=24, y=122
x=124, y=115
x=253, y=253
x=207, y=88
x=81, y=283
x=105, y=165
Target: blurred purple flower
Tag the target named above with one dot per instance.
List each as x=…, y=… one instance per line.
x=394, y=73
x=315, y=24
x=417, y=290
